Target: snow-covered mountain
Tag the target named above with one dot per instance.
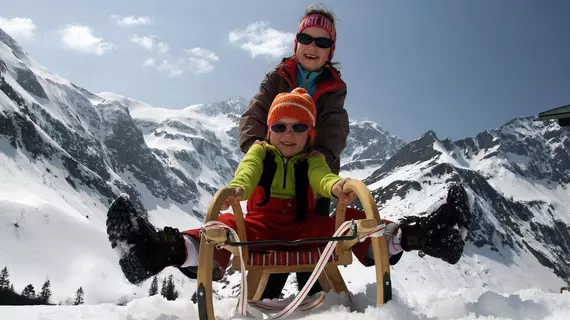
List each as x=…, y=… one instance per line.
x=518, y=176
x=66, y=152
x=198, y=142
x=368, y=146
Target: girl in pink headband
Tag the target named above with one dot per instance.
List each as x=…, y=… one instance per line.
x=311, y=68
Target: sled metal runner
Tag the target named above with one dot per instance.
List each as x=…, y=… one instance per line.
x=292, y=243
x=257, y=276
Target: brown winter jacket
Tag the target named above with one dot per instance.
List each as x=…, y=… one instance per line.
x=332, y=119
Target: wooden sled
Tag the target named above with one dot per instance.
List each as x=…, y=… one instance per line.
x=565, y=289
x=260, y=265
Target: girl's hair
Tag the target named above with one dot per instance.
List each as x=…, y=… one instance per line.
x=322, y=10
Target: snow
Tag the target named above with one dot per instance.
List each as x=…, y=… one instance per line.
x=189, y=116
x=360, y=174
x=465, y=304
x=12, y=60
x=159, y=142
x=39, y=70
x=519, y=160
x=519, y=188
x=445, y=157
x=6, y=102
x=59, y=234
x=411, y=172
x=164, y=213
x=8, y=56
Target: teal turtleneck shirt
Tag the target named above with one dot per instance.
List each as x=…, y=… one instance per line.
x=307, y=79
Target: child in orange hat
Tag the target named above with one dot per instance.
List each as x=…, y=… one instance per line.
x=291, y=121
x=280, y=178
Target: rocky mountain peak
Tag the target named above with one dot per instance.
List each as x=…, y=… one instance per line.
x=12, y=44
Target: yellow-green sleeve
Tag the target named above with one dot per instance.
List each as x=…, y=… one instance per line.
x=321, y=178
x=249, y=170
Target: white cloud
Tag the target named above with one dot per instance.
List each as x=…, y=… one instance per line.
x=144, y=41
x=201, y=60
x=260, y=40
x=167, y=66
x=130, y=20
x=81, y=38
x=149, y=62
x=150, y=43
x=162, y=47
x=18, y=28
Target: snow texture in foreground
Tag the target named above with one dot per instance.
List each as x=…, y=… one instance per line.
x=526, y=304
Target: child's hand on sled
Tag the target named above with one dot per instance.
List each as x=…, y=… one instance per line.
x=343, y=196
x=237, y=196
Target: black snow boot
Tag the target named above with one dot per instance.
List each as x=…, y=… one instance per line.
x=442, y=233
x=144, y=251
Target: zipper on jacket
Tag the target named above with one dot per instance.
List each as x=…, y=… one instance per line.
x=307, y=80
x=284, y=173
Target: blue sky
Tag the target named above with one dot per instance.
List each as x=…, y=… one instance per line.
x=455, y=67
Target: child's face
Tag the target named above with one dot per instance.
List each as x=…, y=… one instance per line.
x=310, y=56
x=289, y=142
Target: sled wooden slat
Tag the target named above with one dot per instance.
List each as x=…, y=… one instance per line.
x=345, y=259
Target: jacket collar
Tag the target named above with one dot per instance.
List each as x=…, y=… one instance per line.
x=276, y=151
x=328, y=80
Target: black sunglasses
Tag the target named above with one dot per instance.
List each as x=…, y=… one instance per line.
x=282, y=127
x=306, y=39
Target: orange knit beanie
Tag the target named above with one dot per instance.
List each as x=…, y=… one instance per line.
x=297, y=105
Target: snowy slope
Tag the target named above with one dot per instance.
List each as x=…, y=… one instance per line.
x=466, y=304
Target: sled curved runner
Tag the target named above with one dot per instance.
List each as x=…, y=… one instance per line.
x=258, y=273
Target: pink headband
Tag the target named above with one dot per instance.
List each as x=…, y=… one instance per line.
x=319, y=21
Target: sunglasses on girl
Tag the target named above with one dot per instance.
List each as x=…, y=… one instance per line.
x=295, y=127
x=322, y=43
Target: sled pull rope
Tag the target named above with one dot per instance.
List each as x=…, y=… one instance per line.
x=251, y=307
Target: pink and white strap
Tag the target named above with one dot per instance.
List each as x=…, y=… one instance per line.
x=261, y=309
